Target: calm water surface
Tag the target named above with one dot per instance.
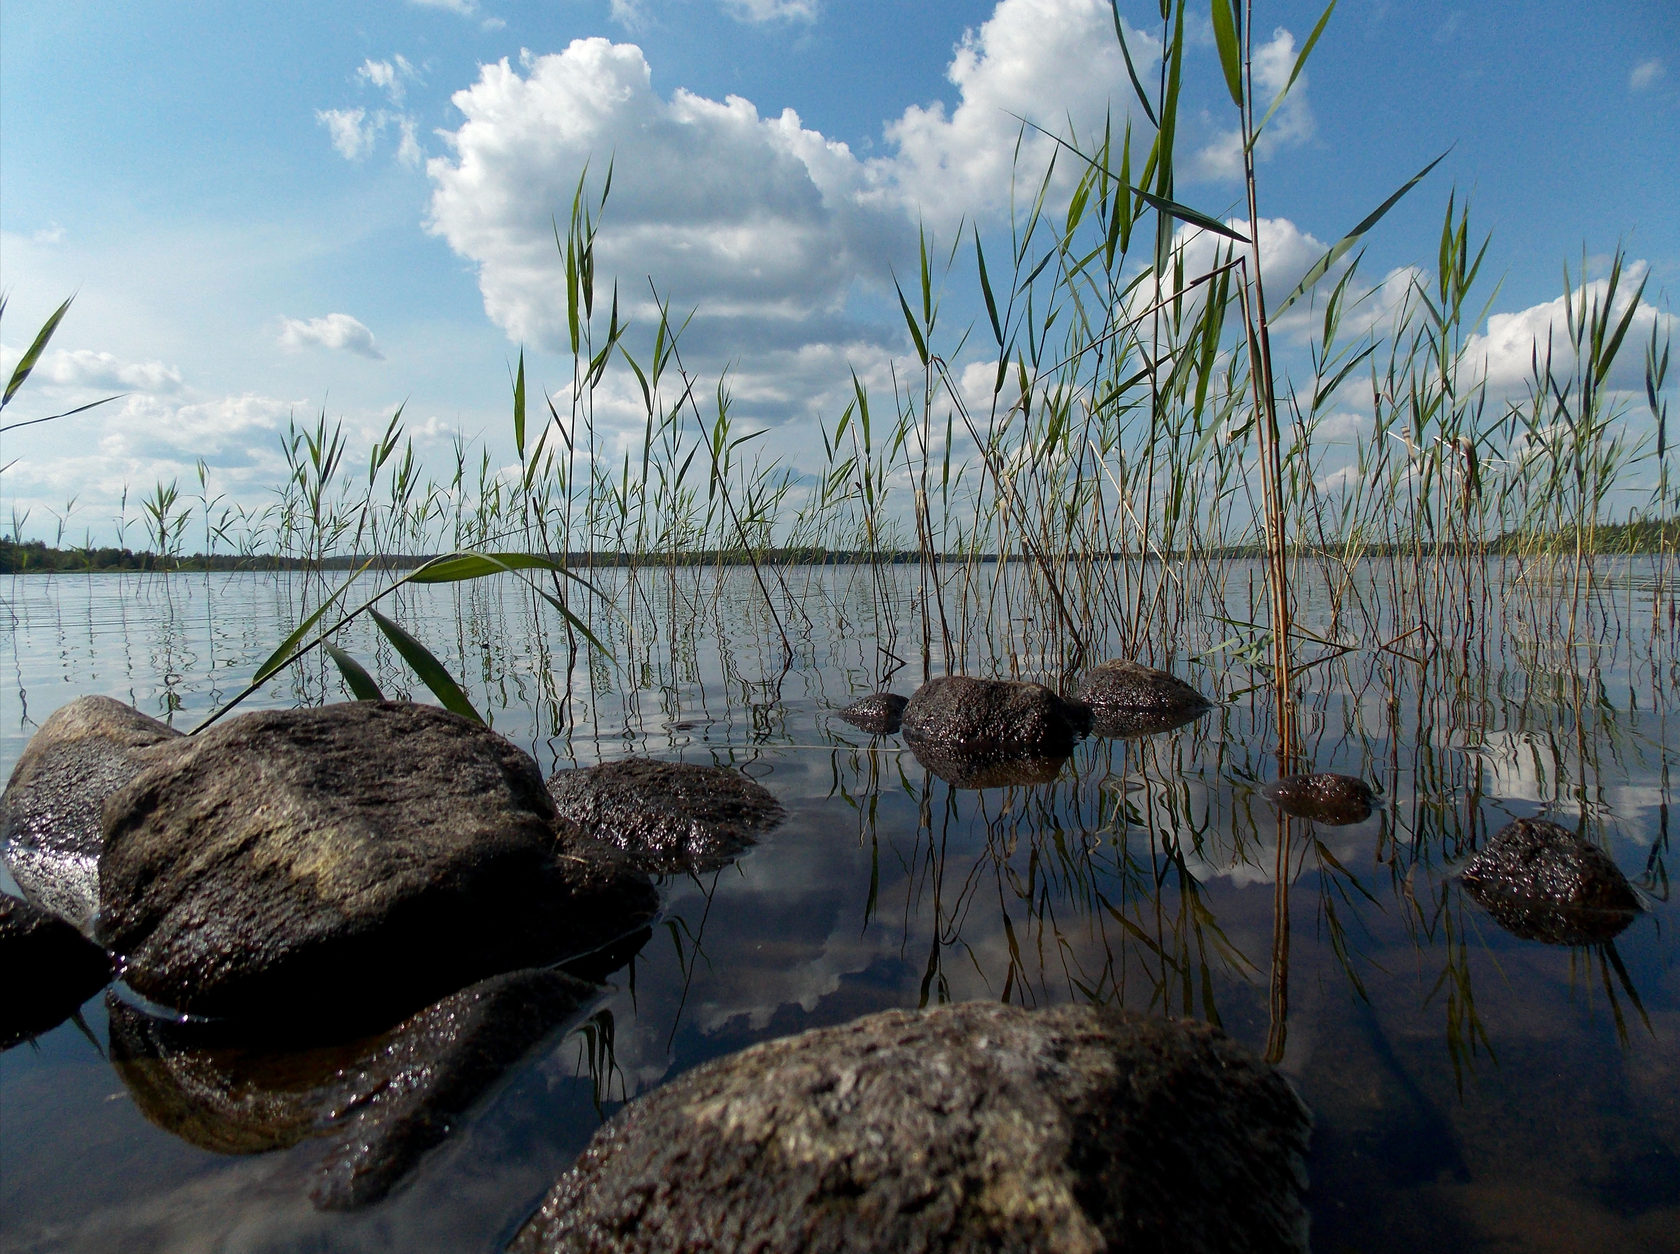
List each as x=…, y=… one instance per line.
x=1472, y=1090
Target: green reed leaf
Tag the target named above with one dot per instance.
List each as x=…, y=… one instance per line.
x=26, y=363
x=427, y=667
x=355, y=675
x=519, y=407
x=1322, y=266
x=1230, y=52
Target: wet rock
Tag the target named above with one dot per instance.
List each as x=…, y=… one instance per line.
x=379, y=1103
x=1542, y=882
x=362, y=859
x=878, y=714
x=50, y=815
x=972, y=1127
x=1327, y=798
x=993, y=718
x=1130, y=699
x=47, y=970
x=666, y=816
x=962, y=770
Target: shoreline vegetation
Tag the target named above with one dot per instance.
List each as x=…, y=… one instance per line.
x=1114, y=393
x=35, y=557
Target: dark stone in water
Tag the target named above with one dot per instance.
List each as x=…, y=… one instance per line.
x=48, y=969
x=379, y=1103
x=993, y=718
x=878, y=714
x=1542, y=882
x=362, y=859
x=1129, y=699
x=970, y=1127
x=50, y=815
x=1334, y=800
x=968, y=771
x=666, y=816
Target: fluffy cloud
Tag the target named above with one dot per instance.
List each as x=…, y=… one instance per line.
x=391, y=77
x=1647, y=74
x=772, y=10
x=1049, y=61
x=1292, y=124
x=336, y=330
x=84, y=368
x=1504, y=355
x=352, y=133
x=759, y=219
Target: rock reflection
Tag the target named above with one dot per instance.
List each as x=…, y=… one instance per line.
x=378, y=1102
x=962, y=770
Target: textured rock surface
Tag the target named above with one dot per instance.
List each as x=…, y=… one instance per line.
x=973, y=1127
x=50, y=815
x=878, y=714
x=378, y=1103
x=667, y=816
x=1543, y=882
x=47, y=970
x=1324, y=797
x=360, y=859
x=1129, y=699
x=993, y=718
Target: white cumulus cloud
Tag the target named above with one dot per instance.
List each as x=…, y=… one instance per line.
x=338, y=330
x=1647, y=74
x=1293, y=123
x=352, y=133
x=772, y=10
x=391, y=77
x=85, y=368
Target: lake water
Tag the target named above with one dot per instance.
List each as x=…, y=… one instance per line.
x=1471, y=1090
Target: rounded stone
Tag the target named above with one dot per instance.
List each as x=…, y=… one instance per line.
x=970, y=1127
x=1540, y=881
x=1327, y=798
x=879, y=713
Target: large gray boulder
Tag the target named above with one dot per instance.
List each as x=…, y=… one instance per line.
x=47, y=970
x=959, y=715
x=376, y=1104
x=50, y=815
x=1130, y=699
x=1541, y=881
x=666, y=816
x=971, y=1127
x=361, y=859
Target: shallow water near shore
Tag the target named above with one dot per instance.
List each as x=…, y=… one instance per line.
x=1471, y=1089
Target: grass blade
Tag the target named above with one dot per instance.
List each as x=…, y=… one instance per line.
x=427, y=667
x=355, y=675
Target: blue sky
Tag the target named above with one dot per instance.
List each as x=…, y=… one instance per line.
x=269, y=210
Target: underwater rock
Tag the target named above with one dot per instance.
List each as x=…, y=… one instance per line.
x=1542, y=882
x=962, y=770
x=1129, y=699
x=47, y=970
x=362, y=859
x=50, y=815
x=993, y=718
x=666, y=816
x=968, y=1127
x=379, y=1103
x=1327, y=798
x=878, y=714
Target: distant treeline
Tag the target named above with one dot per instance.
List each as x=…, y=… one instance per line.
x=34, y=557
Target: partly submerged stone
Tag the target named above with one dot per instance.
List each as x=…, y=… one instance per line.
x=1542, y=882
x=993, y=718
x=47, y=970
x=50, y=815
x=970, y=1127
x=361, y=859
x=1324, y=797
x=666, y=816
x=878, y=714
x=378, y=1103
x=1130, y=699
